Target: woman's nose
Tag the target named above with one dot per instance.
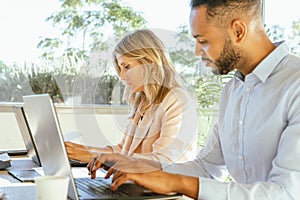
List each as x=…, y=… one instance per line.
x=199, y=51
x=123, y=75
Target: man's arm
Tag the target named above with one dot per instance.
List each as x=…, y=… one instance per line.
x=144, y=172
x=160, y=182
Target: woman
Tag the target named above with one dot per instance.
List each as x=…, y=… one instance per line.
x=163, y=124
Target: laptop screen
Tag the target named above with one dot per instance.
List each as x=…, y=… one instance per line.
x=45, y=128
x=49, y=141
x=26, y=134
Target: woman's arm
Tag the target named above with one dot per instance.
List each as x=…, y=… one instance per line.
x=84, y=153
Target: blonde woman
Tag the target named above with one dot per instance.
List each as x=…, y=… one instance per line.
x=163, y=124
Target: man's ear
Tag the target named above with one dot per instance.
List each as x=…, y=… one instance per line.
x=238, y=30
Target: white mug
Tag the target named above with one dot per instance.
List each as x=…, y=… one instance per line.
x=52, y=187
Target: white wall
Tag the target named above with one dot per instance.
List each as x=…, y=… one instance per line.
x=97, y=126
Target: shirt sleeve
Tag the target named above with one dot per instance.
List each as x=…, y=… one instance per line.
x=209, y=162
x=118, y=147
x=283, y=183
x=284, y=178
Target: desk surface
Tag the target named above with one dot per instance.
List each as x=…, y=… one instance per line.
x=12, y=187
x=17, y=162
x=24, y=162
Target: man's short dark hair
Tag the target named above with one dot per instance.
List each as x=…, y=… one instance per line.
x=216, y=3
x=222, y=10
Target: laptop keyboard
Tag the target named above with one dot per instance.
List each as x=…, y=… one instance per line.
x=98, y=187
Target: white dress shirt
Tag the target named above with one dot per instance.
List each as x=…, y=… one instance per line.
x=257, y=137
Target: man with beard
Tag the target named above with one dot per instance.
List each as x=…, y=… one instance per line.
x=257, y=137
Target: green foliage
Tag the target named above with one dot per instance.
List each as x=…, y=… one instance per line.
x=87, y=22
x=45, y=83
x=291, y=35
x=69, y=77
x=208, y=87
x=294, y=37
x=84, y=24
x=276, y=33
x=60, y=82
x=13, y=83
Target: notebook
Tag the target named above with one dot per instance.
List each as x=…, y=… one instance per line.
x=46, y=131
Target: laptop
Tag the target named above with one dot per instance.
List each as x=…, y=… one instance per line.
x=13, y=152
x=26, y=134
x=28, y=174
x=29, y=140
x=46, y=131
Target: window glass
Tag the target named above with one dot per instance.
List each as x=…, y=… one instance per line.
x=283, y=23
x=62, y=47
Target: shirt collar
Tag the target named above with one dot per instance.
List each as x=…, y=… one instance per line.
x=265, y=68
x=238, y=75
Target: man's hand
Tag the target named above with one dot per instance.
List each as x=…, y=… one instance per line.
x=160, y=182
x=144, y=172
x=157, y=181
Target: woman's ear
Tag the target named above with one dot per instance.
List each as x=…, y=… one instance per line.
x=239, y=30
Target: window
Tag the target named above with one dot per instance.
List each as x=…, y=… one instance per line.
x=282, y=21
x=50, y=48
x=55, y=48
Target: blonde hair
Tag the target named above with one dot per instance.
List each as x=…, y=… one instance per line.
x=160, y=75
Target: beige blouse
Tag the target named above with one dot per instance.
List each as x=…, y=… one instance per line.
x=166, y=133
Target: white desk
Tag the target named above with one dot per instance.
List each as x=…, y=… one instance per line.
x=27, y=191
x=14, y=189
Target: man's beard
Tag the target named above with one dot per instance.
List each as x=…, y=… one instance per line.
x=229, y=58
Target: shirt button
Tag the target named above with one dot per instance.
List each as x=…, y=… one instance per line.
x=241, y=157
x=241, y=122
x=248, y=89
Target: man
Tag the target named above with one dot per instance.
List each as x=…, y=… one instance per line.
x=257, y=136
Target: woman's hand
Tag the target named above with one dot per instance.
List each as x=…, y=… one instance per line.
x=119, y=162
x=78, y=152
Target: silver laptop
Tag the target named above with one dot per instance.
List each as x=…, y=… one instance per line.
x=25, y=174
x=16, y=151
x=26, y=134
x=46, y=131
x=29, y=140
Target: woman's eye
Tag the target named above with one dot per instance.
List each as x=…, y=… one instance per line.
x=126, y=66
x=202, y=41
